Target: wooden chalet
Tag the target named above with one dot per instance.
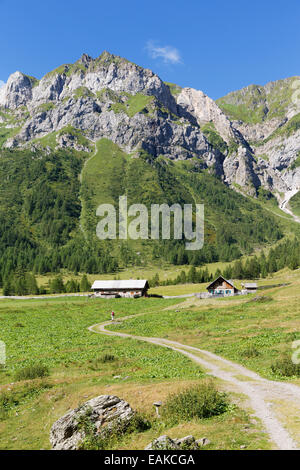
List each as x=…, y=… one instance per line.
x=221, y=287
x=126, y=288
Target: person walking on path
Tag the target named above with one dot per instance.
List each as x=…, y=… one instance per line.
x=112, y=316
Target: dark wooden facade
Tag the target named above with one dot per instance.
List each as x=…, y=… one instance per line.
x=222, y=287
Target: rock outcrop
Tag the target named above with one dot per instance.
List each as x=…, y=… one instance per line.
x=103, y=412
x=184, y=443
x=204, y=109
x=17, y=91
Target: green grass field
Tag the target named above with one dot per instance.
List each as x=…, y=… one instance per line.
x=53, y=332
x=231, y=326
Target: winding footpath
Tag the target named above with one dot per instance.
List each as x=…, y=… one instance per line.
x=264, y=396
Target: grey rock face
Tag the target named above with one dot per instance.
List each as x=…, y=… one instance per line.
x=103, y=412
x=203, y=442
x=17, y=91
x=260, y=131
x=240, y=168
x=204, y=109
x=159, y=135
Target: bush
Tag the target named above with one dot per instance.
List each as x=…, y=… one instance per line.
x=200, y=401
x=108, y=358
x=96, y=363
x=32, y=372
x=250, y=351
x=285, y=367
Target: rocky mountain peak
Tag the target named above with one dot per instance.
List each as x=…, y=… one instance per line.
x=17, y=91
x=85, y=60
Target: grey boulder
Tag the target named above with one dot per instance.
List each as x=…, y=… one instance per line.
x=103, y=413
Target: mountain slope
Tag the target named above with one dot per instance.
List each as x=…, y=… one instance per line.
x=250, y=138
x=105, y=127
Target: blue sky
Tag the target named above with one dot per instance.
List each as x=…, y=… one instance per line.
x=213, y=45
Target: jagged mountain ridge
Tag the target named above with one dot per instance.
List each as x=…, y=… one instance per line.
x=247, y=138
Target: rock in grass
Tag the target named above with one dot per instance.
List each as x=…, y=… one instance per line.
x=184, y=443
x=203, y=442
x=103, y=412
x=163, y=443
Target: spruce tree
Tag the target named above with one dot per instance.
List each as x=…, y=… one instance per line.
x=85, y=286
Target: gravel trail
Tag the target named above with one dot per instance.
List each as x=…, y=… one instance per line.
x=261, y=393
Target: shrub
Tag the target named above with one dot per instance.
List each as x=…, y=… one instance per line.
x=108, y=358
x=285, y=367
x=96, y=363
x=32, y=372
x=250, y=351
x=200, y=401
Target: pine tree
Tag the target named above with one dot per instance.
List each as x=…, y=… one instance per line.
x=57, y=285
x=85, y=286
x=191, y=277
x=31, y=284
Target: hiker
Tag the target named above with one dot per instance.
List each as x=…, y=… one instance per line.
x=112, y=316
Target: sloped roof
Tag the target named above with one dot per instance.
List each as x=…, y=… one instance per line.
x=249, y=285
x=123, y=284
x=223, y=278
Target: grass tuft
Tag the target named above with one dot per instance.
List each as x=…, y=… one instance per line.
x=250, y=351
x=32, y=372
x=285, y=367
x=200, y=401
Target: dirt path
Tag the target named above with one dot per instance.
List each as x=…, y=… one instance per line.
x=265, y=396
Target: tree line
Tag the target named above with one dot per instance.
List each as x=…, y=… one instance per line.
x=22, y=283
x=285, y=254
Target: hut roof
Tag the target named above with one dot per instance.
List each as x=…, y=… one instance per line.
x=223, y=279
x=123, y=284
x=250, y=285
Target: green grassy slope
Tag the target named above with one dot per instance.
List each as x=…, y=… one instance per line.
x=102, y=181
x=234, y=224
x=256, y=103
x=295, y=203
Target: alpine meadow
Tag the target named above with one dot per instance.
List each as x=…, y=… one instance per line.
x=141, y=344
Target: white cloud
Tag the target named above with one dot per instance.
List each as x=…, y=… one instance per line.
x=2, y=83
x=169, y=54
